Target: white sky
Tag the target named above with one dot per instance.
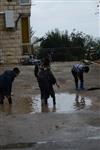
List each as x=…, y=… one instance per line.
x=46, y=15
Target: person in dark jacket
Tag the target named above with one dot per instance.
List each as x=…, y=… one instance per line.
x=46, y=61
x=46, y=81
x=6, y=80
x=36, y=70
x=77, y=71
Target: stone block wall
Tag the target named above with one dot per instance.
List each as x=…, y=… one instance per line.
x=10, y=39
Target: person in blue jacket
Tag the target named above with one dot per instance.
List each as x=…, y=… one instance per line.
x=6, y=80
x=77, y=71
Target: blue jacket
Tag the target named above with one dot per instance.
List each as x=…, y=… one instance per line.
x=6, y=80
x=78, y=68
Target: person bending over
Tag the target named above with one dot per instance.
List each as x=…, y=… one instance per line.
x=77, y=71
x=6, y=80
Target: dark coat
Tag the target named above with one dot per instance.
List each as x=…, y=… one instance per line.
x=6, y=80
x=46, y=81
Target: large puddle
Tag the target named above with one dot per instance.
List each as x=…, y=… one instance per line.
x=65, y=103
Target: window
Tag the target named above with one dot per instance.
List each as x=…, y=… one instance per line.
x=24, y=2
x=25, y=34
x=9, y=19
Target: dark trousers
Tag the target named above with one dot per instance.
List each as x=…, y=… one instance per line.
x=45, y=94
x=52, y=94
x=77, y=77
x=2, y=99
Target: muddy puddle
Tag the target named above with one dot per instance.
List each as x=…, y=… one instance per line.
x=65, y=103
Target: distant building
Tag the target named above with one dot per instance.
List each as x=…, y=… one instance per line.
x=14, y=30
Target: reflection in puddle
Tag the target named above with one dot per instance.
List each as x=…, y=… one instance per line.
x=22, y=106
x=24, y=146
x=7, y=108
x=17, y=146
x=65, y=103
x=79, y=102
x=94, y=138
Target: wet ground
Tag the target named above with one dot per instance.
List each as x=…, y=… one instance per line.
x=73, y=121
x=65, y=103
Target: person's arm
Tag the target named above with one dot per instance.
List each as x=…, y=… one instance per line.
x=53, y=79
x=57, y=85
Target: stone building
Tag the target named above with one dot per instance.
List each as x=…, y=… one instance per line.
x=14, y=30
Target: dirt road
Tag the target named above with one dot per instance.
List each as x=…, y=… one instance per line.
x=24, y=126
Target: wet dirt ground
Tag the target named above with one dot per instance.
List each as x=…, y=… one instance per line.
x=73, y=124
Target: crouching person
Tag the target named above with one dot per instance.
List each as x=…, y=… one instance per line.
x=6, y=80
x=77, y=71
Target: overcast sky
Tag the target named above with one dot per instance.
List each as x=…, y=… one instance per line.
x=46, y=15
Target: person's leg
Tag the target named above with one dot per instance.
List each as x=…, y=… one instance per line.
x=82, y=85
x=54, y=100
x=76, y=83
x=75, y=78
x=42, y=96
x=46, y=96
x=45, y=101
x=1, y=98
x=81, y=81
x=10, y=100
x=53, y=96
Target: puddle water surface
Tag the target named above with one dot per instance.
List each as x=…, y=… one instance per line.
x=65, y=103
